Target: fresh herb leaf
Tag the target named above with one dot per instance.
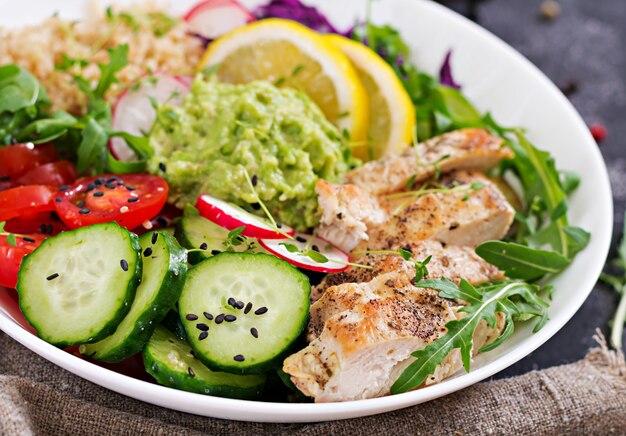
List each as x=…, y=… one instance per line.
x=420, y=269
x=18, y=88
x=520, y=261
x=516, y=300
x=316, y=256
x=406, y=254
x=118, y=59
x=569, y=181
x=11, y=239
x=91, y=152
x=292, y=248
x=235, y=238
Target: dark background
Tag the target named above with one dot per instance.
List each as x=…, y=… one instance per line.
x=583, y=51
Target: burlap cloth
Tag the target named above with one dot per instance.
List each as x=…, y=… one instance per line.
x=587, y=397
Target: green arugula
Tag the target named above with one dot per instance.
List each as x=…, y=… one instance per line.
x=516, y=300
x=619, y=284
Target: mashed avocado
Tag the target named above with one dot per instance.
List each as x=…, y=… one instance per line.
x=223, y=130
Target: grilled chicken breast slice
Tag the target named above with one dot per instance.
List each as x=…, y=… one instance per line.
x=347, y=211
x=465, y=217
x=448, y=261
x=460, y=149
x=362, y=336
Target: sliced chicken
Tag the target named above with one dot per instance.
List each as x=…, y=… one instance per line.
x=465, y=216
x=448, y=261
x=460, y=149
x=347, y=211
x=362, y=336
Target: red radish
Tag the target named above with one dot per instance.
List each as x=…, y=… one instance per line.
x=134, y=113
x=298, y=253
x=213, y=18
x=231, y=217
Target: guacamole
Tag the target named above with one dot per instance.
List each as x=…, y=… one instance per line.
x=221, y=131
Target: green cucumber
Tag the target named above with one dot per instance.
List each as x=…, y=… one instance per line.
x=76, y=287
x=164, y=272
x=268, y=298
x=173, y=324
x=172, y=363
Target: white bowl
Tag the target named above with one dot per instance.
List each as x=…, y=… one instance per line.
x=497, y=79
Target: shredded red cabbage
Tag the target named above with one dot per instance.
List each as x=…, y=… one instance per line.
x=445, y=73
x=295, y=10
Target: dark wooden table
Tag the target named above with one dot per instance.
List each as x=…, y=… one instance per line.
x=583, y=50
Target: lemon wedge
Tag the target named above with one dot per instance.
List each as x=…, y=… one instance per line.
x=391, y=112
x=290, y=54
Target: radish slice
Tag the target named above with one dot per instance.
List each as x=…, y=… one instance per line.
x=213, y=18
x=337, y=259
x=134, y=113
x=230, y=217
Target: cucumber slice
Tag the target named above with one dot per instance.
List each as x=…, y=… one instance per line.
x=172, y=363
x=242, y=311
x=164, y=272
x=76, y=287
x=193, y=231
x=174, y=325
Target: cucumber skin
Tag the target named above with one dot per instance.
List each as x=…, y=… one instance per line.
x=261, y=367
x=172, y=323
x=166, y=298
x=195, y=256
x=164, y=376
x=110, y=327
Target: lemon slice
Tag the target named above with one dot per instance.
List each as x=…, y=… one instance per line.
x=289, y=54
x=392, y=115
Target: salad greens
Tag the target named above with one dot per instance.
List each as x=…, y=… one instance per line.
x=25, y=117
x=619, y=284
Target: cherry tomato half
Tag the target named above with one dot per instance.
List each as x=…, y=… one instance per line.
x=25, y=200
x=57, y=173
x=129, y=200
x=46, y=223
x=11, y=257
x=18, y=159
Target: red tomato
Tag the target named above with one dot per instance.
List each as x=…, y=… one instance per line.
x=11, y=257
x=129, y=200
x=164, y=219
x=18, y=159
x=59, y=173
x=46, y=223
x=25, y=200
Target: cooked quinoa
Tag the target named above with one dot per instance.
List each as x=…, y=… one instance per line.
x=156, y=42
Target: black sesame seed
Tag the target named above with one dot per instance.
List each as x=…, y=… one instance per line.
x=248, y=308
x=219, y=318
x=147, y=252
x=112, y=179
x=133, y=200
x=27, y=239
x=80, y=204
x=202, y=336
x=161, y=221
x=203, y=246
x=43, y=229
x=124, y=264
x=52, y=276
x=239, y=305
x=4, y=178
x=155, y=235
x=239, y=358
x=279, y=225
x=98, y=194
x=130, y=188
x=260, y=310
x=231, y=301
x=255, y=180
x=254, y=332
x=191, y=317
x=315, y=248
x=339, y=216
x=58, y=199
x=64, y=188
x=49, y=229
x=162, y=166
x=255, y=206
x=91, y=187
x=84, y=211
x=300, y=239
x=191, y=371
x=214, y=252
x=230, y=318
x=202, y=327
x=110, y=185
x=208, y=316
x=99, y=181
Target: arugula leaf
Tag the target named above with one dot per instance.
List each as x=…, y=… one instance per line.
x=92, y=149
x=118, y=59
x=520, y=261
x=512, y=298
x=47, y=129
